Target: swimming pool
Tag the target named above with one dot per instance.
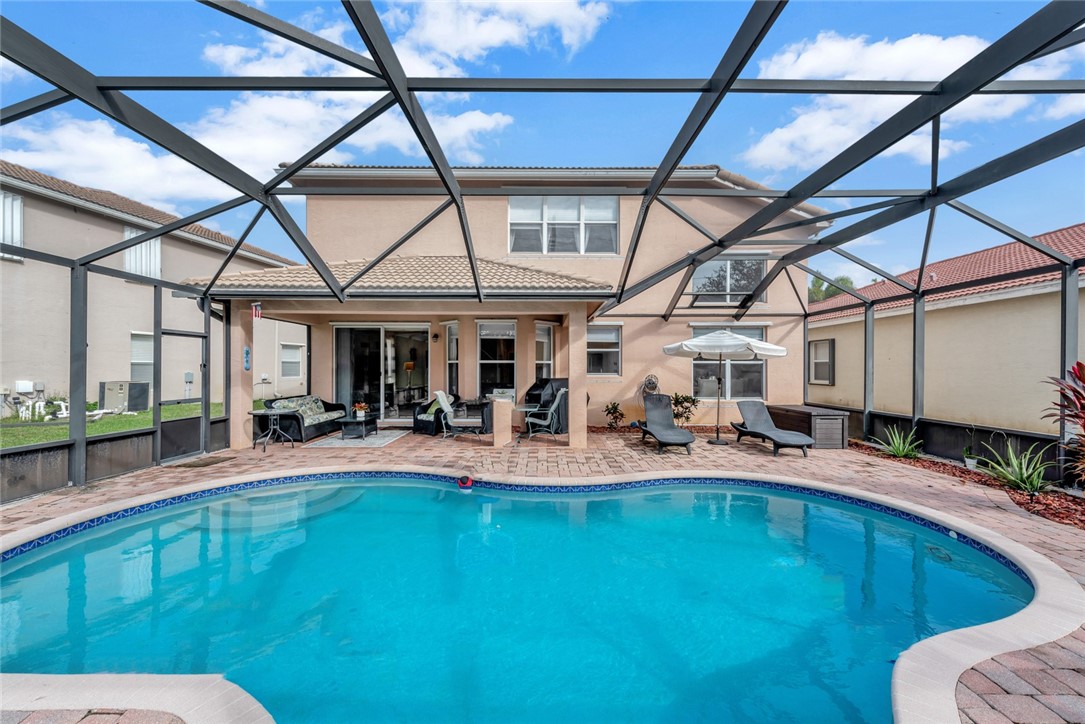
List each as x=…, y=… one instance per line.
x=405, y=599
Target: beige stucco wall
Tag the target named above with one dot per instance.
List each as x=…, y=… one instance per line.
x=34, y=307
x=986, y=361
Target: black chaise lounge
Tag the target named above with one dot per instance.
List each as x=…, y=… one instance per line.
x=659, y=423
x=758, y=424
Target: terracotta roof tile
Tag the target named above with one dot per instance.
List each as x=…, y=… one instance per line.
x=983, y=264
x=125, y=206
x=423, y=274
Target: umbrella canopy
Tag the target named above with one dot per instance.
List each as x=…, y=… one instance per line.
x=723, y=345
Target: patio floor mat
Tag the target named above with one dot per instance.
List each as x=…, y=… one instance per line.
x=376, y=439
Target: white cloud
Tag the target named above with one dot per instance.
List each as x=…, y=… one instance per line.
x=257, y=131
x=93, y=153
x=11, y=72
x=1065, y=107
x=829, y=124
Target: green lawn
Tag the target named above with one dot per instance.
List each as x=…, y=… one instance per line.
x=30, y=433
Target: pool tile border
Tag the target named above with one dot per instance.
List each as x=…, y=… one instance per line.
x=97, y=521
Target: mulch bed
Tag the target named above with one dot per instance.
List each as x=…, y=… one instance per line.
x=1054, y=505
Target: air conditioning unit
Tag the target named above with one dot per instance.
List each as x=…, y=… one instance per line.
x=125, y=396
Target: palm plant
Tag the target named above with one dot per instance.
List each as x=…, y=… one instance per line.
x=900, y=445
x=1070, y=408
x=1024, y=472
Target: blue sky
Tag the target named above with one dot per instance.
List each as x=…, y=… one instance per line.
x=777, y=140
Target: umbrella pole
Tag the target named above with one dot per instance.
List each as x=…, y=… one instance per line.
x=719, y=394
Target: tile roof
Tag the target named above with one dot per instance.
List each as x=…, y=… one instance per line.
x=983, y=264
x=423, y=274
x=126, y=205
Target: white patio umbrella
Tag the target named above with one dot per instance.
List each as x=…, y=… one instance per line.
x=719, y=346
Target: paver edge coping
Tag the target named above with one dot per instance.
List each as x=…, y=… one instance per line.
x=924, y=681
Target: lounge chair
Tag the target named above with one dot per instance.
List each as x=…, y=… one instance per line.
x=659, y=423
x=456, y=426
x=547, y=420
x=758, y=424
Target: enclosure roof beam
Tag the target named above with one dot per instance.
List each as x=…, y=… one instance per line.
x=367, y=22
x=294, y=34
x=766, y=86
x=877, y=270
x=43, y=102
x=825, y=218
x=830, y=282
x=759, y=20
x=1011, y=232
x=1034, y=154
x=1047, y=25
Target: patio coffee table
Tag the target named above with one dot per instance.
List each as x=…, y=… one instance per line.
x=359, y=425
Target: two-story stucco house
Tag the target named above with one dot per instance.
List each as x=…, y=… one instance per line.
x=47, y=214
x=412, y=322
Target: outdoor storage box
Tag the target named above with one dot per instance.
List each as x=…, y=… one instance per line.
x=829, y=428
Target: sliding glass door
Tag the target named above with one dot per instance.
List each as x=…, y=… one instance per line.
x=386, y=367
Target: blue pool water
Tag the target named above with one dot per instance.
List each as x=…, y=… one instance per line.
x=401, y=602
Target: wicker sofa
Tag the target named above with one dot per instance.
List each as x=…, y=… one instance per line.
x=303, y=417
x=429, y=422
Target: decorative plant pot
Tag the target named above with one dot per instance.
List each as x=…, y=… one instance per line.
x=971, y=463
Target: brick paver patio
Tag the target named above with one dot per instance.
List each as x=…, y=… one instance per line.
x=1044, y=684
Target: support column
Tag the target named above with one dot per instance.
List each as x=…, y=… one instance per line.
x=468, y=358
x=919, y=345
x=156, y=376
x=806, y=359
x=240, y=392
x=577, y=356
x=77, y=377
x=205, y=379
x=525, y=361
x=1068, y=338
x=868, y=370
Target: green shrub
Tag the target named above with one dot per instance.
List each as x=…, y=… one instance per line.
x=683, y=406
x=900, y=445
x=614, y=412
x=1024, y=472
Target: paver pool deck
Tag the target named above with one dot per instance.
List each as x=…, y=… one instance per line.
x=1042, y=684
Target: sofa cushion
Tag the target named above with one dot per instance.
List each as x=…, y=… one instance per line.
x=322, y=417
x=425, y=416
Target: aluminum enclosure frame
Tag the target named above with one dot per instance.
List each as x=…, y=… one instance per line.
x=1052, y=28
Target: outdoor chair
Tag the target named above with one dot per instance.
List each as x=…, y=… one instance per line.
x=659, y=423
x=758, y=424
x=428, y=416
x=547, y=420
x=456, y=426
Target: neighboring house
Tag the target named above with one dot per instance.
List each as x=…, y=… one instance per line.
x=413, y=324
x=50, y=215
x=989, y=349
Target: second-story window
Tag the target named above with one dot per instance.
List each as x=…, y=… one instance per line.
x=144, y=259
x=726, y=281
x=11, y=220
x=563, y=224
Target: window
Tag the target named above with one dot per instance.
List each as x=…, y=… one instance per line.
x=290, y=360
x=142, y=358
x=144, y=259
x=604, y=349
x=496, y=356
x=726, y=281
x=563, y=224
x=452, y=340
x=544, y=351
x=11, y=220
x=823, y=362
x=742, y=379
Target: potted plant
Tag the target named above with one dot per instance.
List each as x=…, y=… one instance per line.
x=971, y=459
x=360, y=408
